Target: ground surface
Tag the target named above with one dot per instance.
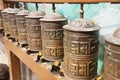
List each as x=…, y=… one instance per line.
x=3, y=52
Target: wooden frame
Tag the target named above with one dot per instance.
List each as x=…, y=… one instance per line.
x=16, y=55
x=63, y=1
x=1, y=5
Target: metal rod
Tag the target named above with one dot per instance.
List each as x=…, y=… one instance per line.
x=36, y=6
x=8, y=5
x=24, y=7
x=82, y=11
x=53, y=7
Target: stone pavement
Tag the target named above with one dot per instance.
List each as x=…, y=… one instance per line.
x=3, y=52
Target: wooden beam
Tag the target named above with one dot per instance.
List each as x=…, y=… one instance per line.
x=63, y=1
x=14, y=66
x=40, y=71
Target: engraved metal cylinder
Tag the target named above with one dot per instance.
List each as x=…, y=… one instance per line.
x=52, y=36
x=112, y=56
x=34, y=30
x=1, y=23
x=80, y=50
x=21, y=26
x=5, y=20
x=12, y=23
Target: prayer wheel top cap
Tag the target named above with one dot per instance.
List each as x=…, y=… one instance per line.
x=7, y=10
x=81, y=25
x=114, y=37
x=23, y=12
x=53, y=17
x=15, y=10
x=36, y=14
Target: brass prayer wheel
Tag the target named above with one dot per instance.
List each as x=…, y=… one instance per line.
x=1, y=26
x=112, y=56
x=12, y=22
x=81, y=49
x=34, y=30
x=5, y=19
x=52, y=36
x=21, y=26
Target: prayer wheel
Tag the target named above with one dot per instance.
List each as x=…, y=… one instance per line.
x=34, y=30
x=52, y=36
x=1, y=24
x=12, y=23
x=80, y=49
x=21, y=26
x=112, y=56
x=5, y=20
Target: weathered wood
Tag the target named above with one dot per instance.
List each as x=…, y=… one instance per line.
x=14, y=66
x=62, y=1
x=1, y=5
x=16, y=53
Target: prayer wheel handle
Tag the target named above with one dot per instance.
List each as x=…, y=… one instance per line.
x=82, y=11
x=53, y=7
x=37, y=7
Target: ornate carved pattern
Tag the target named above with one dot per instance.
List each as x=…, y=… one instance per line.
x=1, y=26
x=112, y=62
x=22, y=37
x=52, y=39
x=5, y=23
x=81, y=68
x=34, y=34
x=53, y=34
x=35, y=44
x=21, y=27
x=14, y=32
x=34, y=29
x=13, y=26
x=80, y=57
x=53, y=51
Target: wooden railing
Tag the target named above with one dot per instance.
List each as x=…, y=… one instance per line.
x=64, y=1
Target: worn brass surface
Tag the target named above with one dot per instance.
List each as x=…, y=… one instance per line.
x=5, y=22
x=80, y=54
x=12, y=24
x=111, y=62
x=21, y=27
x=1, y=23
x=34, y=34
x=52, y=39
x=112, y=56
x=34, y=30
x=81, y=49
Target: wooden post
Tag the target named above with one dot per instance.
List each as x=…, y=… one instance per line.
x=82, y=11
x=1, y=5
x=14, y=66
